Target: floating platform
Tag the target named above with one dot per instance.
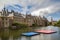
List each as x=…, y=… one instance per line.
x=46, y=31
x=29, y=34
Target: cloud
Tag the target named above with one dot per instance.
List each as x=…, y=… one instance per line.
x=41, y=12
x=7, y=2
x=49, y=18
x=47, y=10
x=35, y=7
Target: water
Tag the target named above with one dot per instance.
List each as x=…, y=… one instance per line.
x=54, y=36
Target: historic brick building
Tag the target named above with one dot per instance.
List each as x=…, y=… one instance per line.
x=4, y=19
x=7, y=18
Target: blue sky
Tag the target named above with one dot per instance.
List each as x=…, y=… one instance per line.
x=55, y=16
x=48, y=8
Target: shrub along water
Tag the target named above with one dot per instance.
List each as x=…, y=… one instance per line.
x=18, y=26
x=57, y=23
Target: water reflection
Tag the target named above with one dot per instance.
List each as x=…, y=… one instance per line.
x=54, y=36
x=25, y=38
x=15, y=35
x=37, y=37
x=30, y=38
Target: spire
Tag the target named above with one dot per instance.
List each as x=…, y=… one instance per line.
x=4, y=8
x=4, y=11
x=51, y=19
x=7, y=10
x=12, y=11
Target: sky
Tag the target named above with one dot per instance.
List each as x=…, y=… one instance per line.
x=47, y=8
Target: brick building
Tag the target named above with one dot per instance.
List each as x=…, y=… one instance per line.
x=7, y=18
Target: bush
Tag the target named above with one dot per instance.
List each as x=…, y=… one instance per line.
x=18, y=26
x=57, y=23
x=34, y=25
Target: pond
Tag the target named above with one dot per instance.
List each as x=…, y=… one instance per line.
x=15, y=35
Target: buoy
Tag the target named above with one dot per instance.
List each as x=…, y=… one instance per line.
x=29, y=34
x=46, y=31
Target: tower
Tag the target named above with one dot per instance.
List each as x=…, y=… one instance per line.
x=51, y=21
x=5, y=18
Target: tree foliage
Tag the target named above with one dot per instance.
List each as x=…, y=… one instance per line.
x=57, y=23
x=34, y=25
x=18, y=26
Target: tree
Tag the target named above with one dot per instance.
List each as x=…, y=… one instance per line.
x=57, y=23
x=34, y=25
x=18, y=26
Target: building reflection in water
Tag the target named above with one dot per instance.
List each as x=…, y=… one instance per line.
x=11, y=38
x=4, y=35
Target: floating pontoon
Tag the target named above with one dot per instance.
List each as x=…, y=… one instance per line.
x=30, y=34
x=46, y=31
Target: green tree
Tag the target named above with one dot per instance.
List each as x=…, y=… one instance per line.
x=18, y=26
x=34, y=25
x=57, y=23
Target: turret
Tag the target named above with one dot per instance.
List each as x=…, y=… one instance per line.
x=12, y=11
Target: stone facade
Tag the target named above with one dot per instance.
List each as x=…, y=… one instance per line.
x=29, y=20
x=4, y=19
x=7, y=18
